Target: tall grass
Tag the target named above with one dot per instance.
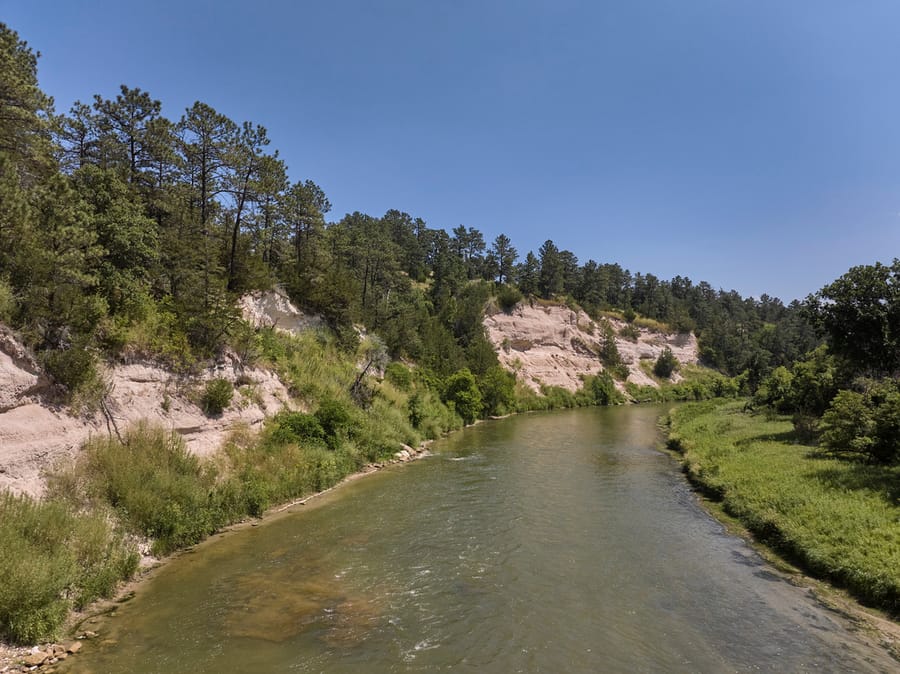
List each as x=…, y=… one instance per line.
x=51, y=560
x=839, y=520
x=153, y=483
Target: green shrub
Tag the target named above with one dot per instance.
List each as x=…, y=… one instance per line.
x=498, y=390
x=72, y=367
x=603, y=390
x=609, y=354
x=297, y=427
x=52, y=560
x=399, y=375
x=336, y=419
x=462, y=392
x=508, y=297
x=430, y=416
x=155, y=485
x=7, y=302
x=217, y=396
x=629, y=332
x=666, y=364
x=864, y=424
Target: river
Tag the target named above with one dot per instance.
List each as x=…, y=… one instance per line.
x=553, y=542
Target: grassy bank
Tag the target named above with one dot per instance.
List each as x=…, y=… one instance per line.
x=77, y=543
x=838, y=520
x=146, y=486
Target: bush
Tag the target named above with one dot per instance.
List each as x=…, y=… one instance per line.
x=399, y=375
x=864, y=424
x=462, y=392
x=7, y=302
x=603, y=390
x=498, y=390
x=775, y=390
x=610, y=357
x=508, y=297
x=629, y=332
x=216, y=396
x=55, y=560
x=336, y=420
x=158, y=488
x=297, y=427
x=666, y=364
x=72, y=367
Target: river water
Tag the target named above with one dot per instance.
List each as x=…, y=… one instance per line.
x=559, y=542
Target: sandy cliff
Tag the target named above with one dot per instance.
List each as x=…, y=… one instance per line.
x=555, y=345
x=542, y=344
x=35, y=433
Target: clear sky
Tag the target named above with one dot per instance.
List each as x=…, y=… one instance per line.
x=751, y=144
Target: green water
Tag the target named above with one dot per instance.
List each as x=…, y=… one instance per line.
x=558, y=542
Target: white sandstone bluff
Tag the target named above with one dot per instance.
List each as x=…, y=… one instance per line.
x=556, y=346
x=551, y=345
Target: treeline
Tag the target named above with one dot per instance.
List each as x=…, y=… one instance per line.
x=846, y=393
x=123, y=229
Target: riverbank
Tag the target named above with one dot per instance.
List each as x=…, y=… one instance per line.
x=80, y=624
x=834, y=520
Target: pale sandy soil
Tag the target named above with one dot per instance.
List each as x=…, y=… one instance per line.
x=35, y=433
x=556, y=346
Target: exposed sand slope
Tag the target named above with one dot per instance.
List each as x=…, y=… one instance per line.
x=556, y=346
x=35, y=434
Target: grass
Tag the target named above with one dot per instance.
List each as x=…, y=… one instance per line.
x=698, y=383
x=838, y=520
x=52, y=560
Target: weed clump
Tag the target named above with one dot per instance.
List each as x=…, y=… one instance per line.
x=52, y=560
x=217, y=396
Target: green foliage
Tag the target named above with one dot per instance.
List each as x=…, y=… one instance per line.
x=498, y=391
x=838, y=519
x=864, y=424
x=217, y=395
x=508, y=297
x=860, y=314
x=155, y=485
x=698, y=383
x=71, y=368
x=776, y=390
x=666, y=364
x=609, y=354
x=296, y=427
x=603, y=389
x=7, y=301
x=462, y=392
x=336, y=419
x=399, y=375
x=630, y=332
x=814, y=382
x=428, y=414
x=51, y=560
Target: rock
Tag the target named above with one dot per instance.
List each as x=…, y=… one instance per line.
x=36, y=659
x=74, y=647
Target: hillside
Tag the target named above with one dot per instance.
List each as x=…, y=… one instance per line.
x=550, y=345
x=36, y=432
x=556, y=346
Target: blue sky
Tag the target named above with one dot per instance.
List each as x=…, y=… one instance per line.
x=754, y=145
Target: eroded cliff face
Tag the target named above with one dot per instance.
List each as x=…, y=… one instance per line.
x=36, y=432
x=557, y=346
